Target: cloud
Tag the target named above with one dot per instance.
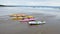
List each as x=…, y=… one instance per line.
x=31, y=2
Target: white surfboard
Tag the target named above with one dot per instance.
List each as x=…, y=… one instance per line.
x=37, y=22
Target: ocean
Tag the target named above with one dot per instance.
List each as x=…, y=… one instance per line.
x=11, y=10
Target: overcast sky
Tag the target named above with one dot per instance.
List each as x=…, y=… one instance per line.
x=31, y=2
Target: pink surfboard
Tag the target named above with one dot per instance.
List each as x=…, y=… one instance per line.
x=25, y=20
x=31, y=19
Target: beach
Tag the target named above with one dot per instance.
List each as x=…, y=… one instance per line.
x=8, y=26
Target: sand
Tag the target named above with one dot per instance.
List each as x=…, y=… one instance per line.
x=52, y=26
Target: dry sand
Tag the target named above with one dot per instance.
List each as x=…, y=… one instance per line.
x=8, y=26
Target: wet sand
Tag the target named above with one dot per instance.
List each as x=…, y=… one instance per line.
x=52, y=26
